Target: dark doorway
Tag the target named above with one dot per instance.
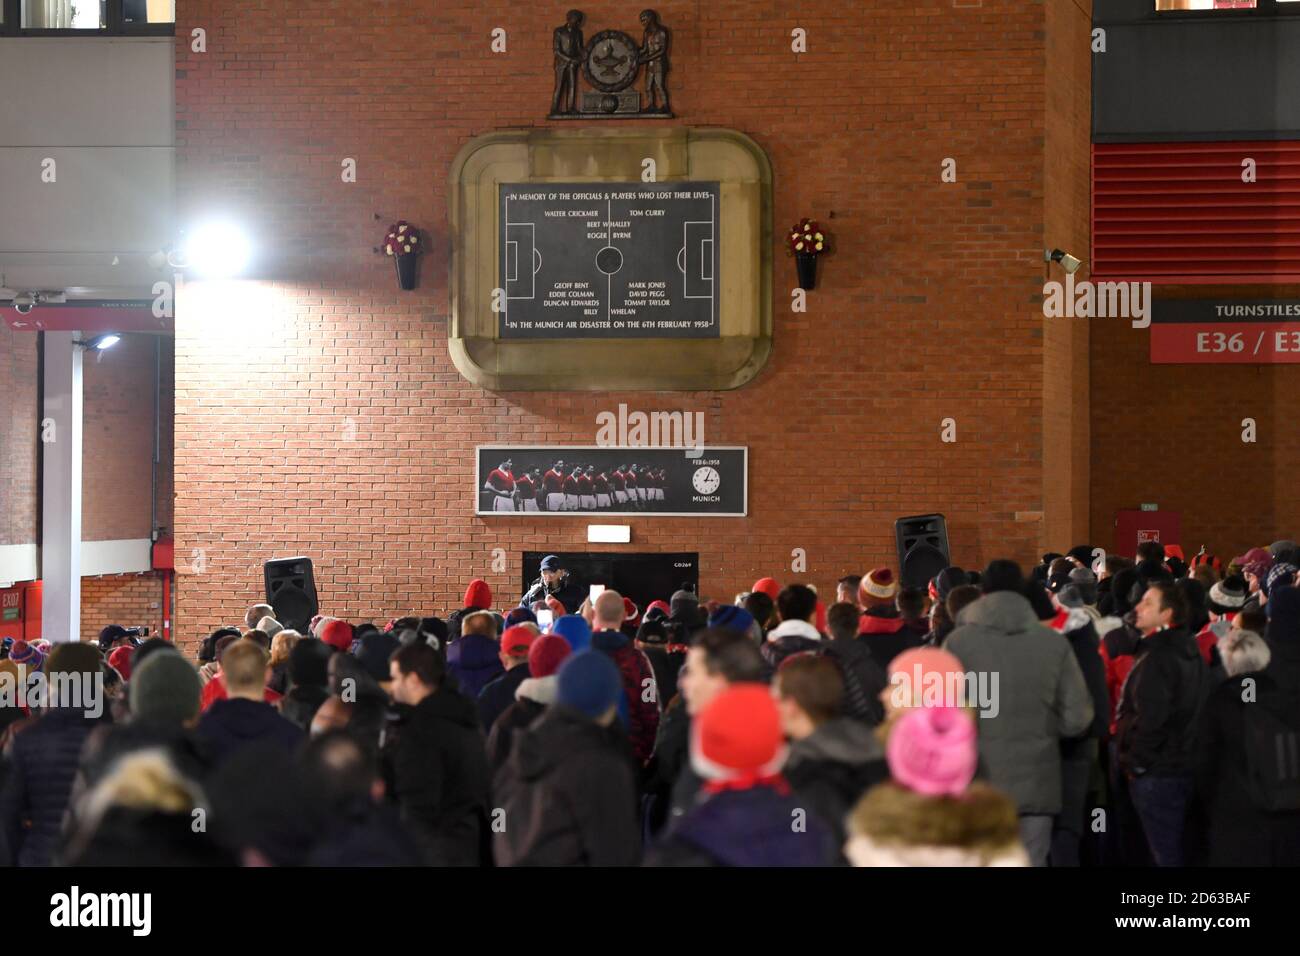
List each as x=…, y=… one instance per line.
x=641, y=577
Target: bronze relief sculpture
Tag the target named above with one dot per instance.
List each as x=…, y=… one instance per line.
x=610, y=63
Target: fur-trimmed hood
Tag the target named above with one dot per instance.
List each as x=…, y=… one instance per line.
x=540, y=690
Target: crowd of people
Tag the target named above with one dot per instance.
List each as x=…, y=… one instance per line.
x=1127, y=712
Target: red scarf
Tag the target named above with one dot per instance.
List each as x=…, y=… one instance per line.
x=747, y=781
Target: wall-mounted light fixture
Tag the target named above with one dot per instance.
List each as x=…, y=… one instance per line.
x=1068, y=262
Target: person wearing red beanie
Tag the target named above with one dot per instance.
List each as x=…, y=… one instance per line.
x=120, y=661
x=337, y=634
x=767, y=586
x=743, y=815
x=478, y=595
x=533, y=695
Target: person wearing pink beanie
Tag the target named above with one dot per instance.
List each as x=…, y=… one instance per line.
x=932, y=813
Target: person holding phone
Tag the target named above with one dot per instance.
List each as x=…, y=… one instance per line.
x=554, y=581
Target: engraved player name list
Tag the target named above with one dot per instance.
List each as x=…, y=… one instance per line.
x=609, y=260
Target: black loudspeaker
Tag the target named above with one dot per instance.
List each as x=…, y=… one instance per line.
x=291, y=590
x=922, y=543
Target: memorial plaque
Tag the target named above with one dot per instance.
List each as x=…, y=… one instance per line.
x=609, y=260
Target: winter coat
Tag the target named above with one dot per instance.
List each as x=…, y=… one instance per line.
x=671, y=759
x=299, y=706
x=532, y=698
x=43, y=760
x=569, y=796
x=500, y=694
x=833, y=767
x=642, y=707
x=1081, y=632
x=1118, y=645
x=863, y=679
x=1160, y=705
x=790, y=638
x=751, y=827
x=231, y=725
x=474, y=660
x=886, y=636
x=1040, y=697
x=440, y=776
x=666, y=665
x=1241, y=833
x=134, y=837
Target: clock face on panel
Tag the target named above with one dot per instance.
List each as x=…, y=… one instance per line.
x=706, y=480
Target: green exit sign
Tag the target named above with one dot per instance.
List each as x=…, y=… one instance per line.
x=10, y=614
x=1149, y=506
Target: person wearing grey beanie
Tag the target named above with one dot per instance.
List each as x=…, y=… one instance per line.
x=165, y=688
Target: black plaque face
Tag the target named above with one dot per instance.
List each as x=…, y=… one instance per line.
x=609, y=260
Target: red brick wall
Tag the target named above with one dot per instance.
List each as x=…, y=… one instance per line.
x=19, y=436
x=126, y=599
x=927, y=311
x=118, y=439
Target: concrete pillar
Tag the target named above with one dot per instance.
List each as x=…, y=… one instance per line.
x=61, y=489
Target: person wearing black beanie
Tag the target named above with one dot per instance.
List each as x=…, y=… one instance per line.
x=308, y=681
x=1003, y=574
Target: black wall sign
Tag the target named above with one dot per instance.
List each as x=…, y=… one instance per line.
x=609, y=260
x=590, y=481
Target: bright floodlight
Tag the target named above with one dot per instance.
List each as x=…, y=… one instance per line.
x=102, y=342
x=217, y=250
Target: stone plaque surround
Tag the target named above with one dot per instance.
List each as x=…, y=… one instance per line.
x=602, y=156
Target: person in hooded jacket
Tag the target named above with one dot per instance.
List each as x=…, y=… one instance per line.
x=43, y=759
x=437, y=763
x=1159, y=710
x=568, y=789
x=1254, y=810
x=244, y=718
x=532, y=697
x=796, y=634
x=499, y=694
x=1041, y=699
x=744, y=814
x=474, y=658
x=833, y=760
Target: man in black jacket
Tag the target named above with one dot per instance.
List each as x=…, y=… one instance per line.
x=438, y=764
x=555, y=581
x=244, y=718
x=568, y=790
x=863, y=678
x=1158, y=712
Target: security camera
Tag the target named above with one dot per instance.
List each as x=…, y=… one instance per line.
x=1068, y=262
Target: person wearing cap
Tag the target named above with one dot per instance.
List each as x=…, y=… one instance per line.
x=933, y=812
x=532, y=697
x=437, y=764
x=499, y=693
x=1041, y=699
x=115, y=635
x=882, y=627
x=554, y=581
x=567, y=791
x=1254, y=565
x=745, y=811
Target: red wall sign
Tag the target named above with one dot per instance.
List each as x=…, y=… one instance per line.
x=1221, y=332
x=88, y=317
